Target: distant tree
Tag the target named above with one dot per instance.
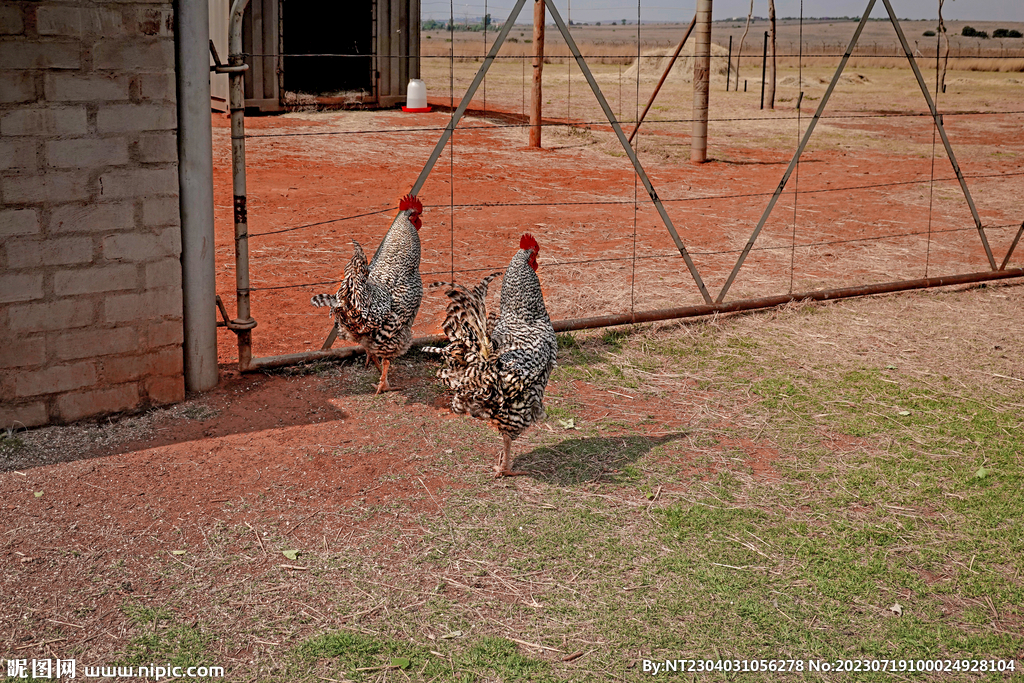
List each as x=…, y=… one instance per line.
x=1006, y=33
x=969, y=31
x=929, y=33
x=598, y=23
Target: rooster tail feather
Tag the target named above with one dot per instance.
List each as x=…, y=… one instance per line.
x=321, y=300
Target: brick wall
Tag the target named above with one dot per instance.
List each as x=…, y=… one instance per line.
x=90, y=279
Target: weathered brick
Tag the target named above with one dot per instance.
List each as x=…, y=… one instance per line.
x=77, y=405
x=22, y=54
x=102, y=20
x=58, y=20
x=29, y=253
x=17, y=86
x=49, y=121
x=32, y=414
x=163, y=390
x=92, y=343
x=20, y=287
x=154, y=22
x=23, y=352
x=156, y=303
x=139, y=182
x=124, y=53
x=170, y=239
x=87, y=152
x=18, y=155
x=110, y=217
x=158, y=147
x=125, y=118
x=158, y=88
x=61, y=87
x=11, y=21
x=52, y=315
x=135, y=247
x=164, y=333
x=160, y=211
x=19, y=222
x=50, y=187
x=163, y=273
x=92, y=279
x=54, y=379
x=166, y=361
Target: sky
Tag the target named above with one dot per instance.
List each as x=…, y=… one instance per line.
x=666, y=10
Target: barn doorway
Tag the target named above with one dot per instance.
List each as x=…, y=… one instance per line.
x=339, y=39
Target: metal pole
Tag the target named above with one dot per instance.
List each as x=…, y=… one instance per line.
x=728, y=67
x=1009, y=252
x=627, y=148
x=536, y=107
x=242, y=325
x=701, y=83
x=664, y=75
x=799, y=151
x=942, y=132
x=678, y=313
x=195, y=194
x=764, y=65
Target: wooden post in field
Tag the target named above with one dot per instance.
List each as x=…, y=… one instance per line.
x=538, y=70
x=701, y=82
x=770, y=91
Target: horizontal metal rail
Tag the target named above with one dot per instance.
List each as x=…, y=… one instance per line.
x=681, y=312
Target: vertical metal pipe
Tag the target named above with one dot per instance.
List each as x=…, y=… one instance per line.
x=701, y=82
x=195, y=194
x=764, y=65
x=728, y=67
x=536, y=109
x=244, y=323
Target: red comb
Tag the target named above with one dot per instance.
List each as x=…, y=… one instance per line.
x=410, y=201
x=528, y=242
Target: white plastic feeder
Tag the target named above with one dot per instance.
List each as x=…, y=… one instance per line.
x=416, y=96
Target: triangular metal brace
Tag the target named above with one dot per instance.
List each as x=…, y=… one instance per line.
x=489, y=59
x=817, y=115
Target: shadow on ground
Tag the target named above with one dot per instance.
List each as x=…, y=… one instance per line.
x=575, y=461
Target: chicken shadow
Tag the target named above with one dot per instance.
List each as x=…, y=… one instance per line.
x=574, y=461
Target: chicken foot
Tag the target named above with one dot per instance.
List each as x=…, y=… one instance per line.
x=505, y=460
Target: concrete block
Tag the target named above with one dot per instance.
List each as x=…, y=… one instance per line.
x=41, y=55
x=20, y=287
x=95, y=279
x=58, y=20
x=158, y=147
x=135, y=247
x=107, y=217
x=61, y=314
x=161, y=211
x=136, y=307
x=117, y=369
x=67, y=87
x=155, y=21
x=23, y=352
x=11, y=21
x=158, y=87
x=47, y=188
x=75, y=406
x=49, y=121
x=19, y=222
x=54, y=379
x=128, y=118
x=127, y=53
x=163, y=273
x=102, y=20
x=18, y=154
x=32, y=414
x=31, y=253
x=139, y=182
x=17, y=86
x=164, y=333
x=87, y=152
x=93, y=343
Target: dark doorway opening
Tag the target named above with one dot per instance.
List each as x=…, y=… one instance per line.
x=337, y=36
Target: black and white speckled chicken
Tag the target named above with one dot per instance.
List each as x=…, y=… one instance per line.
x=498, y=368
x=376, y=304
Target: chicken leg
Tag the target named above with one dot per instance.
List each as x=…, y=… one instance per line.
x=383, y=385
x=502, y=468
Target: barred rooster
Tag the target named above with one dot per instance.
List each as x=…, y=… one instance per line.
x=377, y=303
x=498, y=368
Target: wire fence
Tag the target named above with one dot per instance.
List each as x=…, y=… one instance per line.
x=840, y=240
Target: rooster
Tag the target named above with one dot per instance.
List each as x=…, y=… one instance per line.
x=498, y=367
x=377, y=303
